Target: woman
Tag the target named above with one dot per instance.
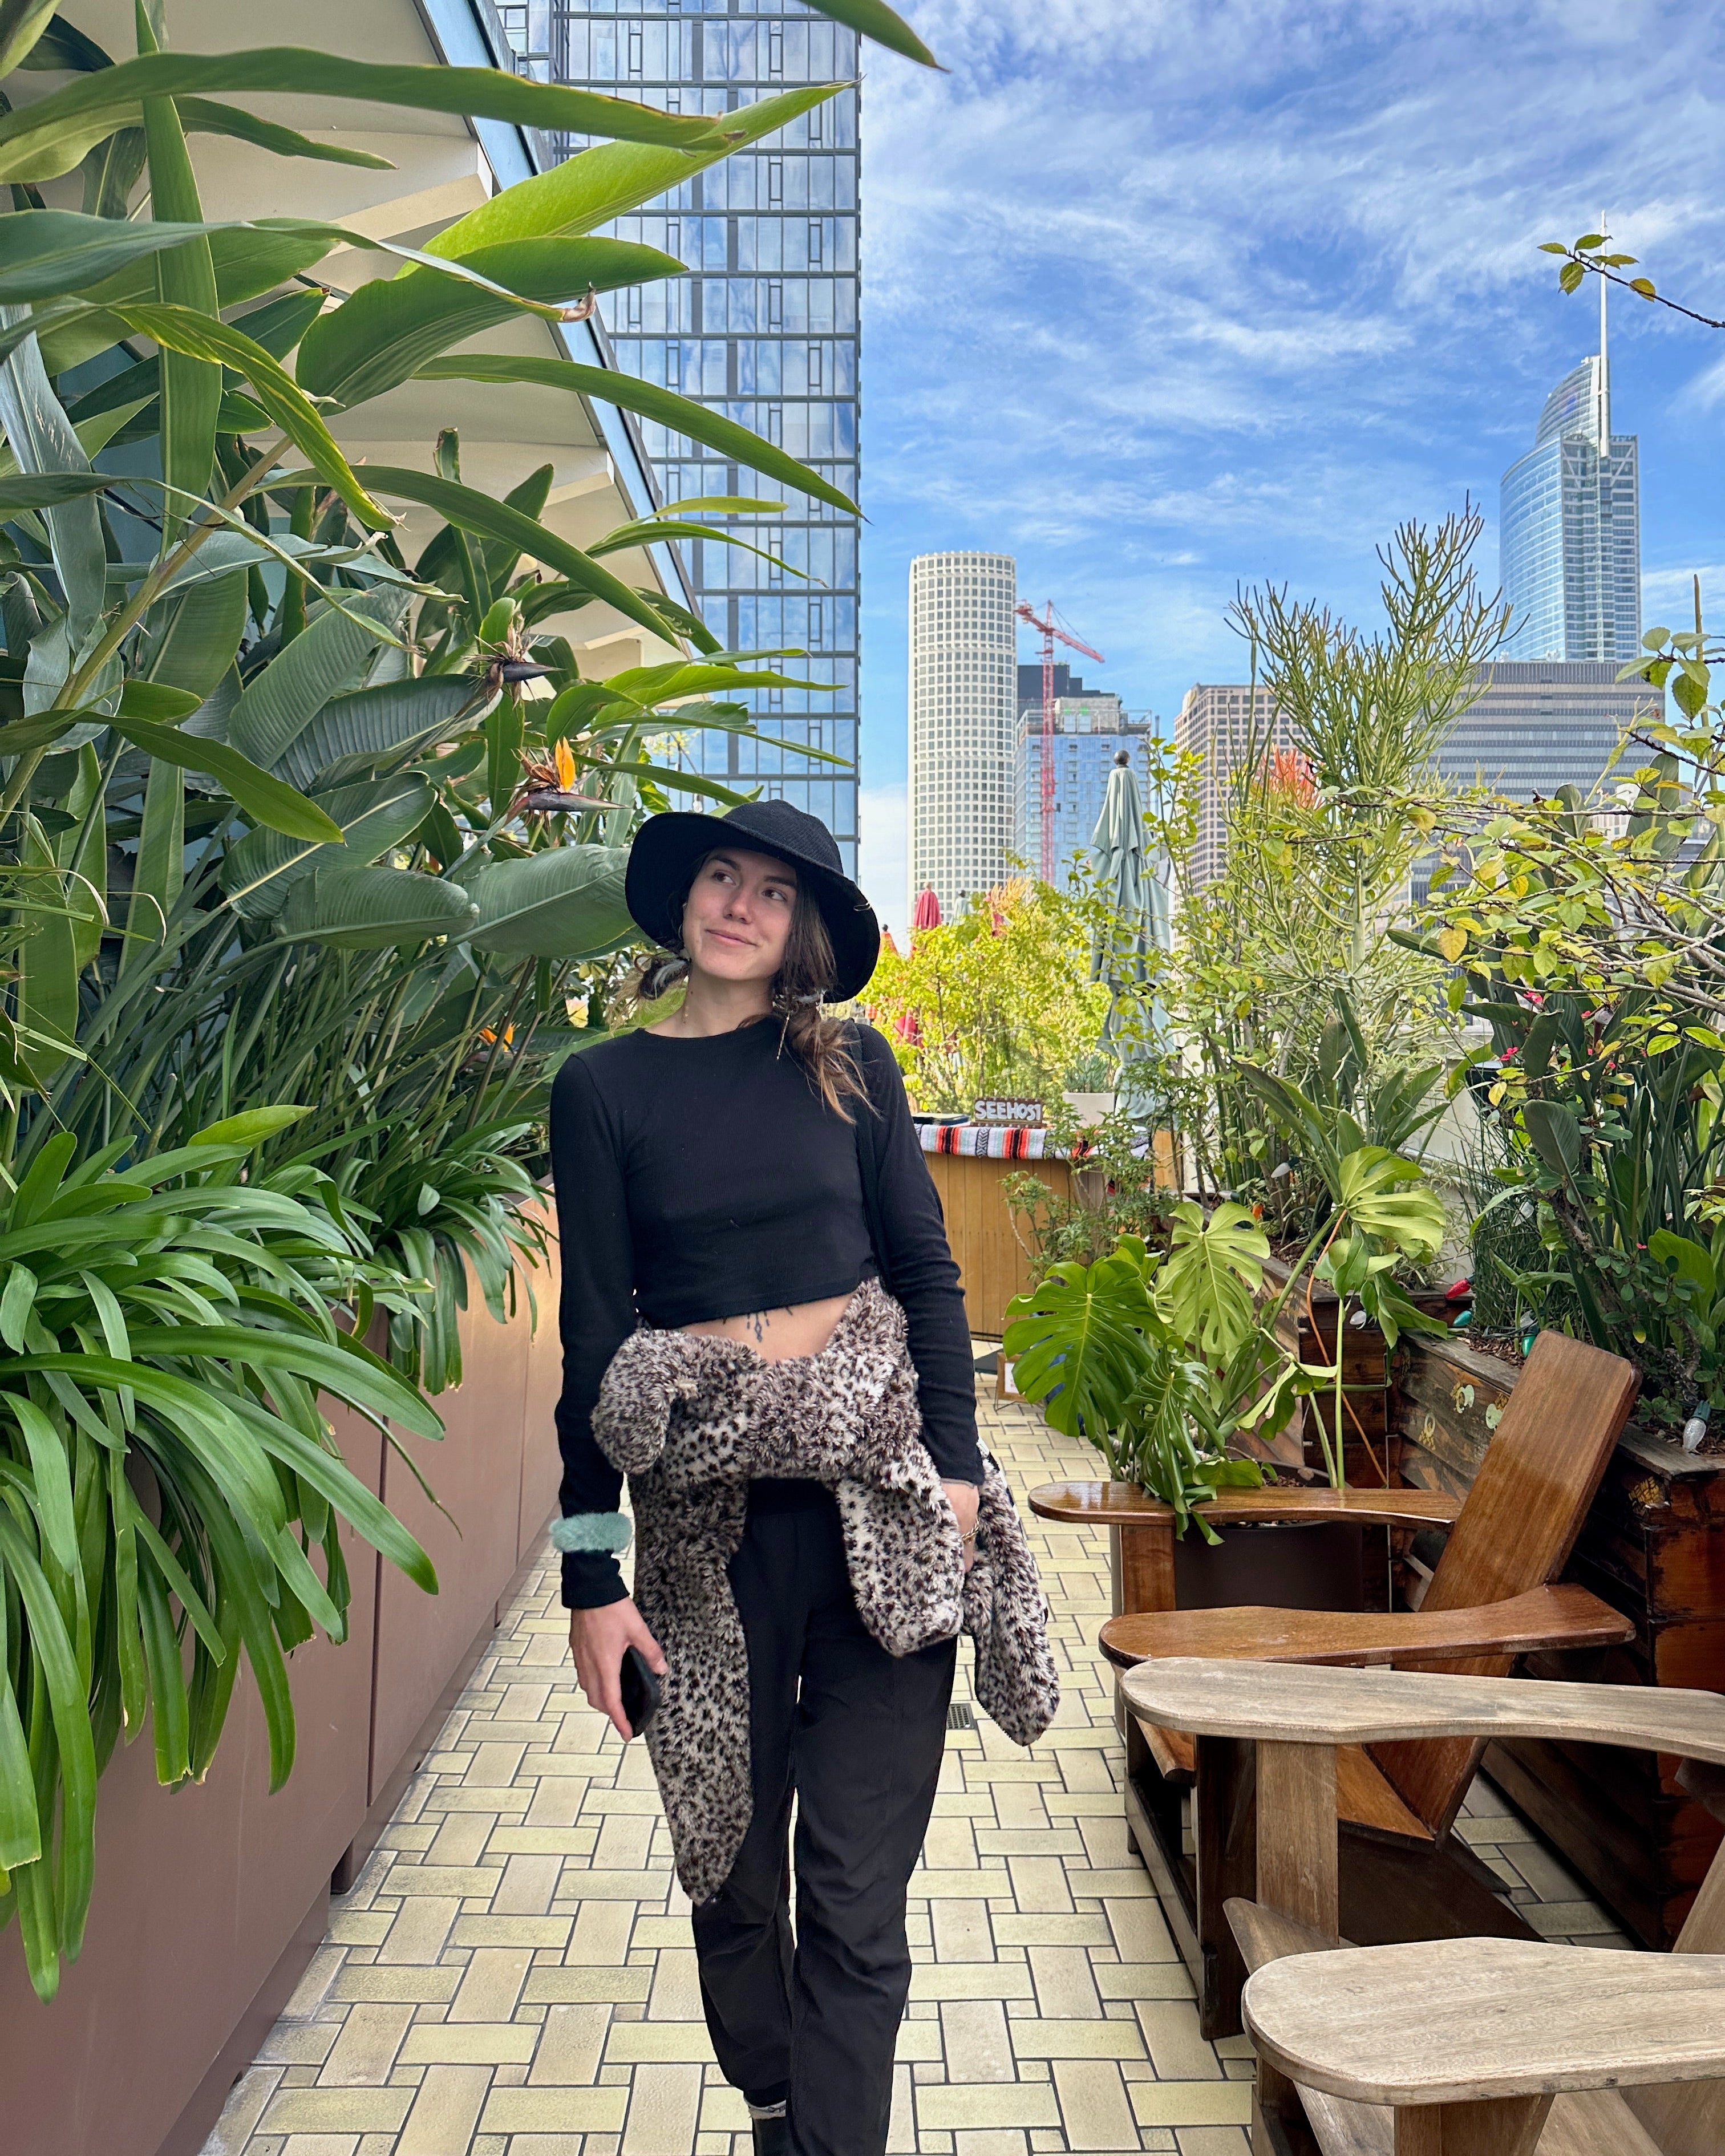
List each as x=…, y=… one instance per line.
x=717, y=1176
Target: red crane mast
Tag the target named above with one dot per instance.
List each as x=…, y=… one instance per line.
x=1049, y=633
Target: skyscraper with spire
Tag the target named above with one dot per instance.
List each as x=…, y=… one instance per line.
x=1570, y=529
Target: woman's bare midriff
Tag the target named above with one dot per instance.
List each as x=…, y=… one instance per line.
x=796, y=1328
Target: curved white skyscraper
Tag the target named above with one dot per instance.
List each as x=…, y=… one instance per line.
x=963, y=702
x=1569, y=540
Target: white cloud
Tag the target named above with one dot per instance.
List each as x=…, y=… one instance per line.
x=1164, y=296
x=884, y=845
x=1668, y=595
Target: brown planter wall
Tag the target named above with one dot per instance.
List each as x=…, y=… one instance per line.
x=1653, y=1547
x=210, y=1900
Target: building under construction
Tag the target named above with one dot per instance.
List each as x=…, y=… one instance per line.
x=1091, y=726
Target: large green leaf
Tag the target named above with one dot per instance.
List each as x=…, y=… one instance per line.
x=1377, y=1201
x=159, y=866
x=23, y=491
x=203, y=115
x=394, y=718
x=587, y=191
x=182, y=329
x=873, y=19
x=264, y=797
x=560, y=904
x=198, y=636
x=475, y=512
x=330, y=655
x=185, y=277
x=392, y=326
x=249, y=259
x=1079, y=1343
x=1207, y=1285
x=45, y=254
x=47, y=958
x=376, y=909
x=83, y=852
x=263, y=868
x=664, y=406
x=22, y=24
x=42, y=440
x=40, y=141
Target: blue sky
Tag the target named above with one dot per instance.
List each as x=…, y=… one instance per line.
x=1162, y=296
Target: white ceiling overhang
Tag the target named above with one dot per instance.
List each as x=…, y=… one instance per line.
x=443, y=167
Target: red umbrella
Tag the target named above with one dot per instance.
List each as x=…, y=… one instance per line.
x=928, y=914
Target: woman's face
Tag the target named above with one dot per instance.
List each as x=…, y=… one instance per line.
x=737, y=918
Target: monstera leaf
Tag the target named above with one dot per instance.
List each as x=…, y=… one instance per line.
x=1373, y=1186
x=1208, y=1288
x=1078, y=1343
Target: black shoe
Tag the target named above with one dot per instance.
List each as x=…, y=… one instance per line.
x=772, y=2135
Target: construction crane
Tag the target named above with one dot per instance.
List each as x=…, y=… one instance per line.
x=1049, y=633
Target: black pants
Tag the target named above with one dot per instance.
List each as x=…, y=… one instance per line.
x=857, y=1736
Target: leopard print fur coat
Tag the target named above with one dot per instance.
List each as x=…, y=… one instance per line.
x=691, y=1420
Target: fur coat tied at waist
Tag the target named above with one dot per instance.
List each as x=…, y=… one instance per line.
x=692, y=1418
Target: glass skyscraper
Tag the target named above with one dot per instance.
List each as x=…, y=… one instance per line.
x=764, y=328
x=1570, y=529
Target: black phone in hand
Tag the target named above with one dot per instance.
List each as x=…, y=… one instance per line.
x=640, y=1690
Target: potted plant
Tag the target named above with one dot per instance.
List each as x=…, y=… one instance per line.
x=1169, y=1362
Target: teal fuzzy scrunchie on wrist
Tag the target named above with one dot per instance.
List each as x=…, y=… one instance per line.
x=593, y=1533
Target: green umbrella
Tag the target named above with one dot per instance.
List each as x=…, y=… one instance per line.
x=1126, y=877
x=1118, y=851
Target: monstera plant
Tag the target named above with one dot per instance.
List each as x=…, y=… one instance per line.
x=1163, y=1359
x=309, y=849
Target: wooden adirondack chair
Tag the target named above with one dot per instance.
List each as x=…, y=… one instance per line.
x=1403, y=1875
x=1458, y=2047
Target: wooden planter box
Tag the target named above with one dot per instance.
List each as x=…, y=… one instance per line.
x=1653, y=1547
x=210, y=1900
x=994, y=1264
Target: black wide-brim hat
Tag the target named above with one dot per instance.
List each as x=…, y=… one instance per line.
x=670, y=848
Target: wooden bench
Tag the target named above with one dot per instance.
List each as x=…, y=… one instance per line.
x=1453, y=2047
x=1491, y=1599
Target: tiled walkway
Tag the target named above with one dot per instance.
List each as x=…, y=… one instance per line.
x=512, y=1974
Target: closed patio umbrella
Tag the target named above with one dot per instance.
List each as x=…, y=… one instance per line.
x=1126, y=877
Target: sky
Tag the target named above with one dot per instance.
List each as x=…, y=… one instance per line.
x=1166, y=297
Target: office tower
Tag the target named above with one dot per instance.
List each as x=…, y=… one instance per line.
x=1090, y=726
x=764, y=327
x=962, y=694
x=1227, y=724
x=1540, y=725
x=1569, y=540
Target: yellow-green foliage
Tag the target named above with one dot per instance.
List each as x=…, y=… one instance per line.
x=1000, y=1001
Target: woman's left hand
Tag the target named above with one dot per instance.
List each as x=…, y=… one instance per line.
x=964, y=1498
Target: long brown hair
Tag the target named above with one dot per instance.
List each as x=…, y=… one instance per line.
x=806, y=974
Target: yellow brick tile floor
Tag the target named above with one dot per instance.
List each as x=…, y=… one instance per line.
x=512, y=1974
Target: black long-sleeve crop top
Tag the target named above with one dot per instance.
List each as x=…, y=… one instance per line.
x=701, y=1178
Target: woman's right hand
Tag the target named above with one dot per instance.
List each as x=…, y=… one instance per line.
x=596, y=1640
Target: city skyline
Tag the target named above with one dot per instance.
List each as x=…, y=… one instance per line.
x=1280, y=307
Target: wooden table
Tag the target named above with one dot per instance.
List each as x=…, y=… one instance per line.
x=1296, y=1715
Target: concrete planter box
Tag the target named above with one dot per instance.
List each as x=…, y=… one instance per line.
x=210, y=1900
